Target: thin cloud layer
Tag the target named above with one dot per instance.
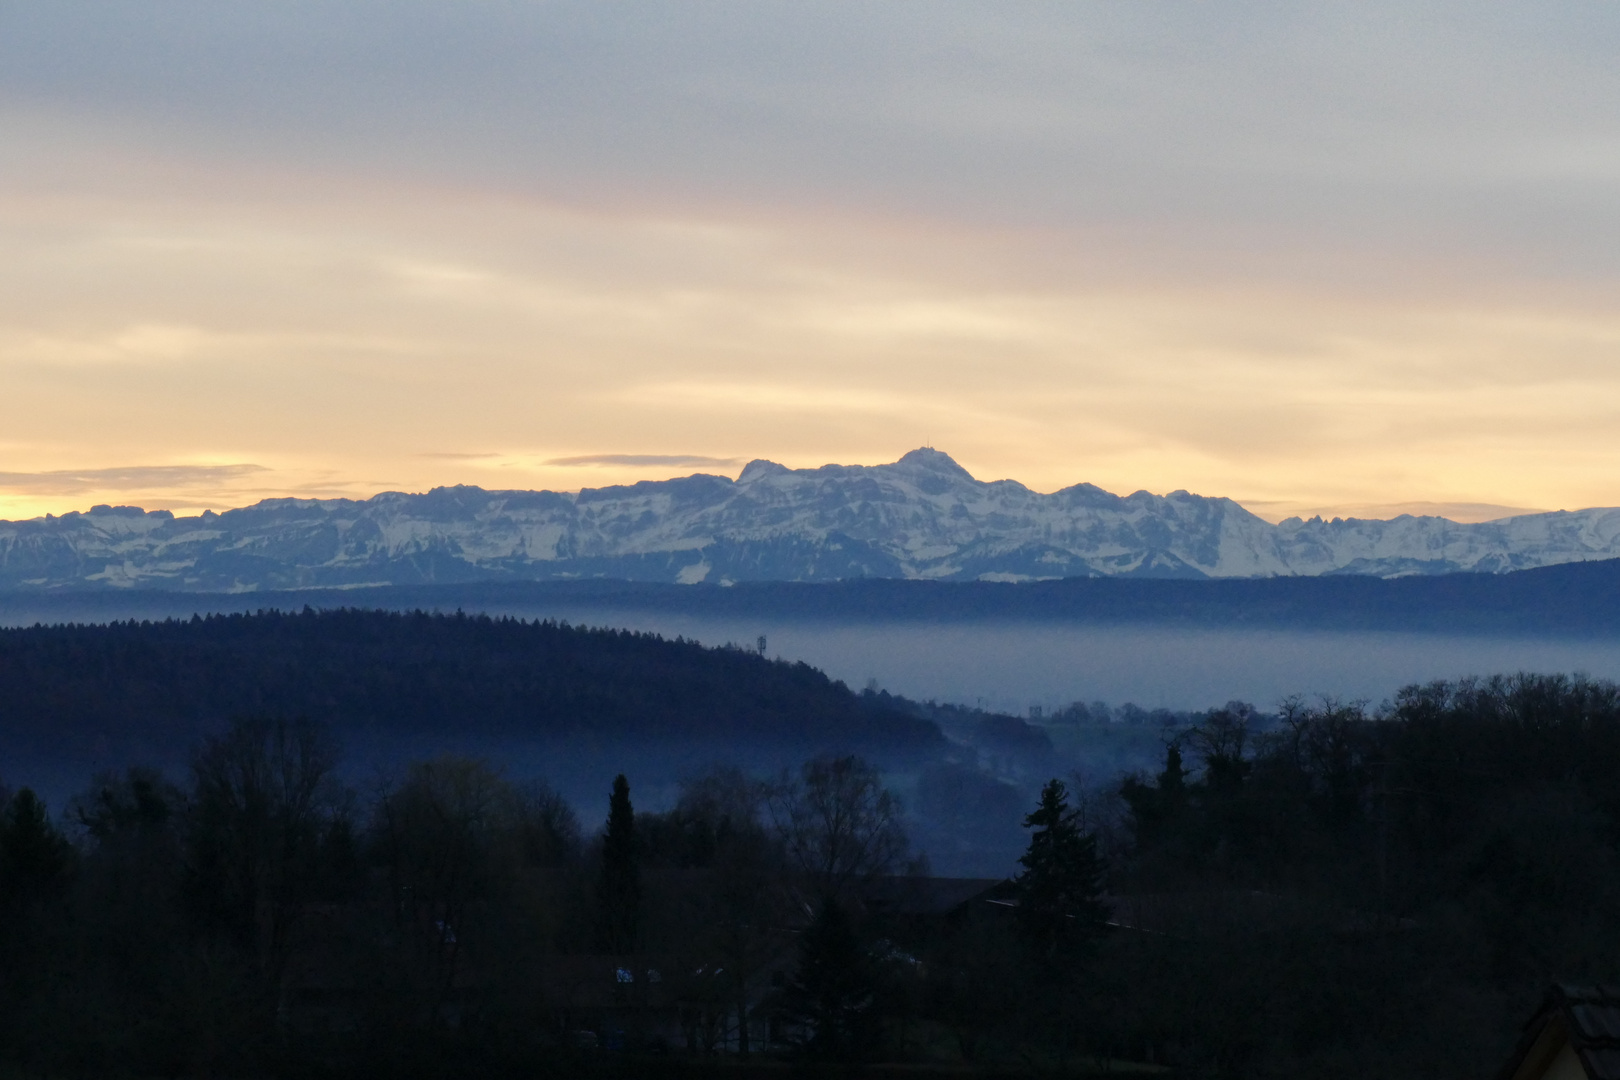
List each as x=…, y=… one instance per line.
x=643, y=461
x=129, y=478
x=1337, y=130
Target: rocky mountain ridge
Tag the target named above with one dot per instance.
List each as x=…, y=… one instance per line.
x=923, y=516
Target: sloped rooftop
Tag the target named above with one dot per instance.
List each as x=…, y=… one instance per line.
x=1586, y=1017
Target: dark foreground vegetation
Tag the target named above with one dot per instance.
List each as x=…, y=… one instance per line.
x=1333, y=892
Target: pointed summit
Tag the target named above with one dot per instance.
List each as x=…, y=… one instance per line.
x=759, y=467
x=926, y=457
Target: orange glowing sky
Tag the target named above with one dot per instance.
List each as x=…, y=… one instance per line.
x=1340, y=258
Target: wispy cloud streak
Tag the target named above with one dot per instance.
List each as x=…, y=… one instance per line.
x=645, y=460
x=127, y=478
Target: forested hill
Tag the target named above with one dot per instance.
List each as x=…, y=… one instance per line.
x=153, y=687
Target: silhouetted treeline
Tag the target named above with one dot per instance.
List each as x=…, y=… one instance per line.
x=260, y=918
x=150, y=689
x=1361, y=893
x=1336, y=893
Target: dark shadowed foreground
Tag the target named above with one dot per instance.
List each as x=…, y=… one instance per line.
x=1323, y=892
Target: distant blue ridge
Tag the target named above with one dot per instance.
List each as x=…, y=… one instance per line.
x=1575, y=599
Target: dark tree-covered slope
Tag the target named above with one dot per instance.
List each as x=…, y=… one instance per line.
x=155, y=686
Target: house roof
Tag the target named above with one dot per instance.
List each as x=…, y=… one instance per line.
x=1587, y=1018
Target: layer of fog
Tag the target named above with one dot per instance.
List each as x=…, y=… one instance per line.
x=1006, y=665
x=1002, y=666
x=1009, y=666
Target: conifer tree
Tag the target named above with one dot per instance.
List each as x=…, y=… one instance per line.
x=833, y=995
x=618, y=893
x=1060, y=909
x=1158, y=810
x=33, y=855
x=1173, y=781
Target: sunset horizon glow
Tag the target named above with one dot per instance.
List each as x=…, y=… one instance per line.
x=1336, y=261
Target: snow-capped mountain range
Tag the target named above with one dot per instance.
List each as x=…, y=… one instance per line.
x=923, y=516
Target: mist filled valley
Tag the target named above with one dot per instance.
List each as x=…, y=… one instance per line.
x=546, y=701
x=1184, y=653
x=996, y=705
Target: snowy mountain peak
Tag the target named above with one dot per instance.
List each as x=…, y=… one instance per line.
x=923, y=516
x=926, y=457
x=760, y=467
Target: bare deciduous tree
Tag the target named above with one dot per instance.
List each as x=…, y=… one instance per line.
x=454, y=837
x=263, y=802
x=839, y=825
x=744, y=904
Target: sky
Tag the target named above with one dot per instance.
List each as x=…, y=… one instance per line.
x=1340, y=258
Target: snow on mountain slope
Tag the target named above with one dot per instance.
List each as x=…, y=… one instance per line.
x=923, y=516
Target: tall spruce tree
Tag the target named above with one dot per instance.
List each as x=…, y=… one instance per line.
x=833, y=994
x=33, y=854
x=618, y=893
x=1060, y=908
x=1158, y=810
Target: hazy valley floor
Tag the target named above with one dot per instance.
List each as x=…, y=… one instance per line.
x=1000, y=663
